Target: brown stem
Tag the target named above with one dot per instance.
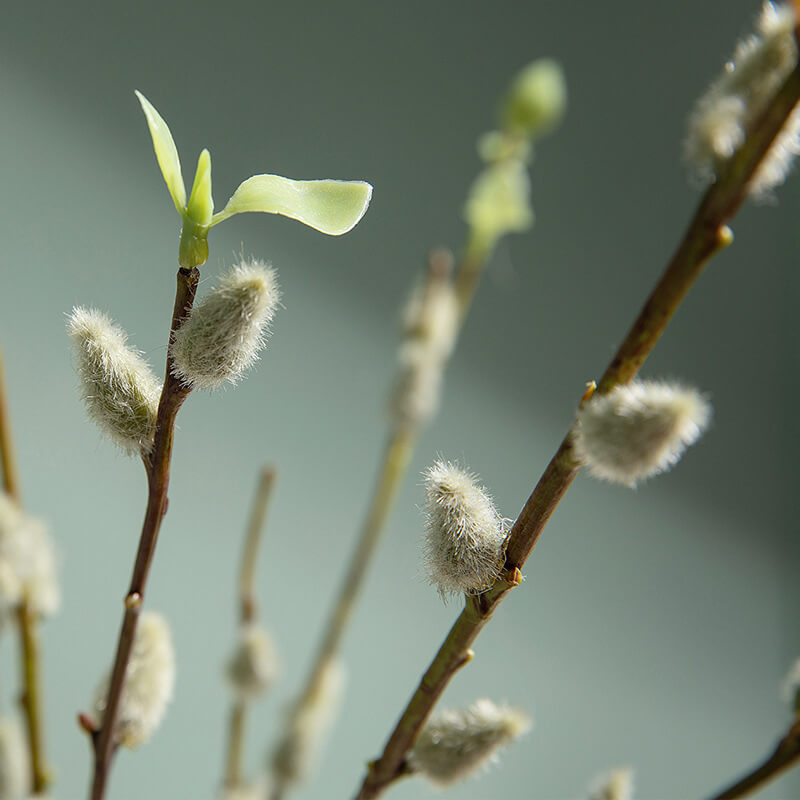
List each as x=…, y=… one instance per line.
x=786, y=755
x=705, y=235
x=157, y=465
x=27, y=620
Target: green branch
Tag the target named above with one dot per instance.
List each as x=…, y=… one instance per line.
x=27, y=620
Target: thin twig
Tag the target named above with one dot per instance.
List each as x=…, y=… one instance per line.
x=786, y=755
x=158, y=467
x=7, y=456
x=258, y=513
x=397, y=455
x=247, y=613
x=393, y=468
x=705, y=236
x=27, y=620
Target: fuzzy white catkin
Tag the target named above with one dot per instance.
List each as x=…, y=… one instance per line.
x=295, y=757
x=119, y=389
x=253, y=667
x=454, y=744
x=464, y=534
x=14, y=760
x=27, y=562
x=225, y=331
x=638, y=430
x=721, y=117
x=149, y=682
x=614, y=785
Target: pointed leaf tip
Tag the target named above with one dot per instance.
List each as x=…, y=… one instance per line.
x=166, y=153
x=201, y=202
x=333, y=207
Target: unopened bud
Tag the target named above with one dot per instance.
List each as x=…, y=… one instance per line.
x=537, y=99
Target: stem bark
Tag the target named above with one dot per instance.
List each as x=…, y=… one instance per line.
x=706, y=235
x=157, y=465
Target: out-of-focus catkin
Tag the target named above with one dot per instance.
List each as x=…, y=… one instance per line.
x=430, y=329
x=614, y=785
x=455, y=744
x=253, y=667
x=149, y=682
x=295, y=756
x=723, y=115
x=27, y=562
x=639, y=429
x=14, y=760
x=226, y=330
x=119, y=389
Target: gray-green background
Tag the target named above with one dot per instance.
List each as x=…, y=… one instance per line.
x=654, y=626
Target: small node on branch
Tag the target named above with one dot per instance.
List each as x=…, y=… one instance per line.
x=87, y=724
x=590, y=390
x=133, y=600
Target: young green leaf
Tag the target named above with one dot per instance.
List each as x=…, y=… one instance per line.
x=166, y=153
x=333, y=207
x=201, y=203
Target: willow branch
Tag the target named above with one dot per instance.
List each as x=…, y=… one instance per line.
x=707, y=234
x=397, y=454
x=7, y=456
x=158, y=468
x=258, y=513
x=247, y=613
x=27, y=620
x=786, y=755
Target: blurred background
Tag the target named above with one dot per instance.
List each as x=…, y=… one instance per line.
x=655, y=625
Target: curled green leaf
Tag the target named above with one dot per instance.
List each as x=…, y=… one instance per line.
x=166, y=153
x=333, y=207
x=201, y=203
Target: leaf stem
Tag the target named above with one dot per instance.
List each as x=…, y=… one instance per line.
x=157, y=465
x=27, y=620
x=786, y=755
x=705, y=236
